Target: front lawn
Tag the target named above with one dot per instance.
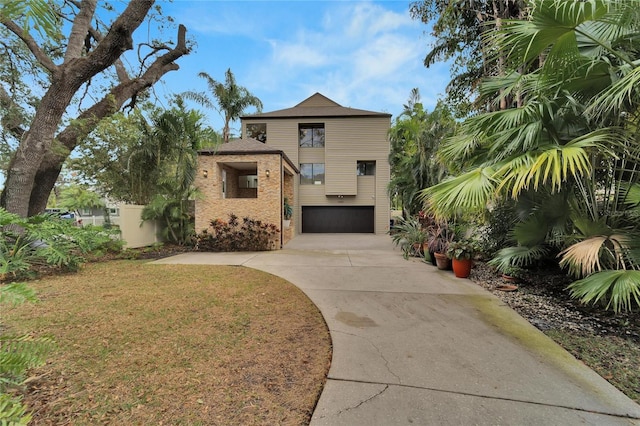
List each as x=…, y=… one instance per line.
x=174, y=344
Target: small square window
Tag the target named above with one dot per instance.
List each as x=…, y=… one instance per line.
x=257, y=131
x=366, y=168
x=312, y=174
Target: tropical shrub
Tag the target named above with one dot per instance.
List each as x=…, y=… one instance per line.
x=408, y=234
x=47, y=240
x=563, y=146
x=18, y=353
x=177, y=224
x=462, y=249
x=248, y=235
x=287, y=209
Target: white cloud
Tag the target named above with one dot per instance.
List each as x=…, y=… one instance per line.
x=362, y=54
x=359, y=54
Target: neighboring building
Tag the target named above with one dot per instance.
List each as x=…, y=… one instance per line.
x=335, y=169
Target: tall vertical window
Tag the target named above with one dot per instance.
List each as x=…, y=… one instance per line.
x=311, y=135
x=366, y=168
x=257, y=131
x=312, y=173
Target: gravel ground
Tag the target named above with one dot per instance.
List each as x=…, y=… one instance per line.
x=543, y=300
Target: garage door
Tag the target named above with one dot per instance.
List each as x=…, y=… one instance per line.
x=337, y=219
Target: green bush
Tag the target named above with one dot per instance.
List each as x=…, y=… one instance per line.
x=18, y=353
x=44, y=239
x=250, y=235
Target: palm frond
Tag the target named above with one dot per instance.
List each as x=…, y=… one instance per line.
x=16, y=293
x=531, y=232
x=470, y=191
x=619, y=289
x=553, y=165
x=619, y=97
x=586, y=257
x=518, y=256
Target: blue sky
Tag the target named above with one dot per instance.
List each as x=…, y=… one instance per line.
x=361, y=54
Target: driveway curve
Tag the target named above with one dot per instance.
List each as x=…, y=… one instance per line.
x=414, y=345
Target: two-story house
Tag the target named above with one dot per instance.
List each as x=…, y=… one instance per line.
x=329, y=161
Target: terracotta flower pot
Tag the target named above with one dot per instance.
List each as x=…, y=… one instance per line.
x=442, y=261
x=462, y=267
x=509, y=279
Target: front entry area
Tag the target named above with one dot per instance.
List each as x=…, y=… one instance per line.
x=338, y=219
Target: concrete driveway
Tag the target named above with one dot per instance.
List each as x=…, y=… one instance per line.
x=414, y=345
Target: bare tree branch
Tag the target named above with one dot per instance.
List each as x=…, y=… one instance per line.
x=31, y=44
x=87, y=121
x=11, y=124
x=121, y=71
x=118, y=39
x=79, y=30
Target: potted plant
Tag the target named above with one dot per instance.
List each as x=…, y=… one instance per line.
x=409, y=235
x=438, y=240
x=511, y=274
x=287, y=211
x=461, y=254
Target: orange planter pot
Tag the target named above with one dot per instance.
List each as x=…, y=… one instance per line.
x=462, y=267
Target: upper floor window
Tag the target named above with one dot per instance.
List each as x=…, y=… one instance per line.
x=312, y=173
x=257, y=131
x=311, y=135
x=366, y=168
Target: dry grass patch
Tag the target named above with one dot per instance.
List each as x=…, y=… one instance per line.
x=612, y=357
x=175, y=344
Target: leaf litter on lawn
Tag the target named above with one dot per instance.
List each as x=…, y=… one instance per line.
x=174, y=344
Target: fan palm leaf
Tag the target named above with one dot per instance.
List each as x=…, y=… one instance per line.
x=620, y=288
x=470, y=191
x=595, y=254
x=518, y=256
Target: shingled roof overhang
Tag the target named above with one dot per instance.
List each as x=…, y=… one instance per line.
x=316, y=112
x=246, y=147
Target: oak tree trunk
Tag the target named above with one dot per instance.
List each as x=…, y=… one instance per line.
x=36, y=165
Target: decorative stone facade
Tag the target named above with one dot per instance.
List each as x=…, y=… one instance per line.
x=219, y=174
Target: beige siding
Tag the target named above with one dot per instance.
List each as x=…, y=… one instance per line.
x=347, y=140
x=311, y=155
x=281, y=134
x=350, y=140
x=314, y=195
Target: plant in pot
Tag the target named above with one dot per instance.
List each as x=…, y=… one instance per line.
x=438, y=240
x=461, y=254
x=287, y=211
x=409, y=235
x=511, y=274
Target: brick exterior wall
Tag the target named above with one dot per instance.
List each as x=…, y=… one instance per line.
x=267, y=207
x=287, y=191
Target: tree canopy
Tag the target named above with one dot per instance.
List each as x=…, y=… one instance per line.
x=568, y=153
x=67, y=64
x=231, y=100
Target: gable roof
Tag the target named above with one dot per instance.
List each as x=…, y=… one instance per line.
x=245, y=147
x=316, y=106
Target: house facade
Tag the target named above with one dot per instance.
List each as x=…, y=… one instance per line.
x=335, y=168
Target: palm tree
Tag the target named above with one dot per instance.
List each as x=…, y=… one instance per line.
x=414, y=138
x=572, y=144
x=172, y=140
x=232, y=100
